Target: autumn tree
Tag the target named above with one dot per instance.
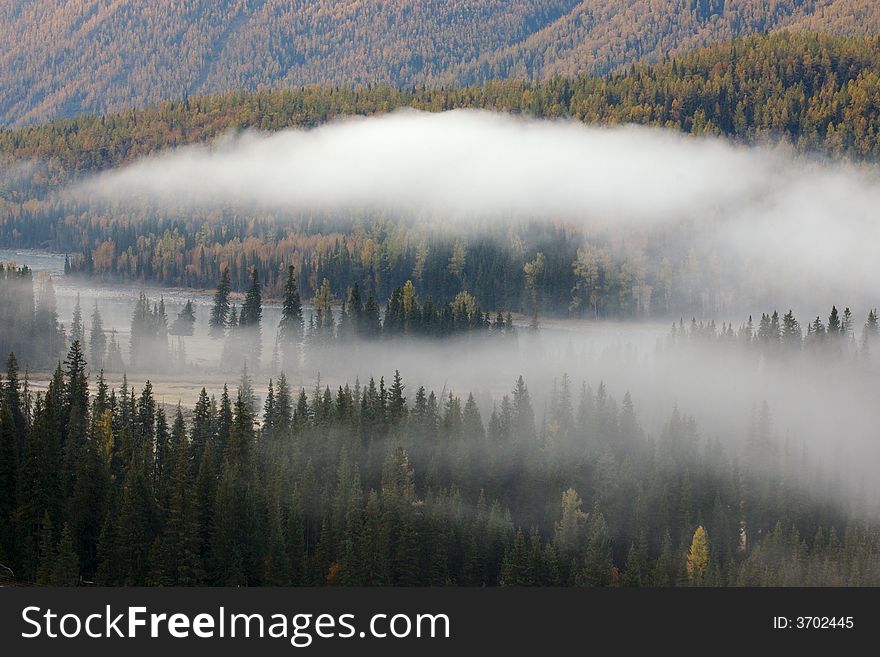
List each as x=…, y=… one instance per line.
x=697, y=564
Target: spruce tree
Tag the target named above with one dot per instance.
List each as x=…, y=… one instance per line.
x=791, y=331
x=220, y=309
x=250, y=319
x=252, y=310
x=290, y=328
x=833, y=322
x=185, y=322
x=77, y=327
x=371, y=325
x=65, y=570
x=97, y=340
x=871, y=329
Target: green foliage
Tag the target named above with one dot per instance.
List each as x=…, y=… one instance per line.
x=370, y=487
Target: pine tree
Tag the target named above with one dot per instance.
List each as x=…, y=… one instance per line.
x=833, y=322
x=283, y=403
x=636, y=569
x=97, y=340
x=871, y=329
x=235, y=540
x=356, y=311
x=598, y=566
x=8, y=479
x=325, y=326
x=252, y=309
x=46, y=561
x=290, y=328
x=179, y=545
x=791, y=331
x=515, y=569
x=396, y=399
x=65, y=570
x=220, y=309
x=185, y=322
x=375, y=548
x=77, y=327
x=161, y=320
x=371, y=325
x=846, y=324
x=250, y=318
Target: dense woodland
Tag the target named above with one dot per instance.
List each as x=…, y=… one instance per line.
x=814, y=91
x=372, y=484
x=789, y=85
x=31, y=327
x=29, y=323
x=57, y=62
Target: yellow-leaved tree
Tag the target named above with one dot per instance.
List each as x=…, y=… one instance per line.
x=698, y=556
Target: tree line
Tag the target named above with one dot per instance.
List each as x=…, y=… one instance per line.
x=372, y=485
x=403, y=315
x=773, y=334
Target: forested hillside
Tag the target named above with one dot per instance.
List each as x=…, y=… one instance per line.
x=375, y=484
x=817, y=92
x=98, y=56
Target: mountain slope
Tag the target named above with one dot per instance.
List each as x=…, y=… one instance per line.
x=106, y=55
x=814, y=91
x=601, y=35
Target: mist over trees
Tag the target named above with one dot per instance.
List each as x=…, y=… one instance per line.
x=381, y=481
x=836, y=338
x=806, y=89
x=374, y=485
x=29, y=322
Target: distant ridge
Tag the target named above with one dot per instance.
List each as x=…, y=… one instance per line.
x=68, y=58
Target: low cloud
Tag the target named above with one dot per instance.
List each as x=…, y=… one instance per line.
x=788, y=223
x=457, y=164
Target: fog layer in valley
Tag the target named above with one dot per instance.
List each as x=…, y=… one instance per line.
x=795, y=225
x=820, y=403
x=803, y=227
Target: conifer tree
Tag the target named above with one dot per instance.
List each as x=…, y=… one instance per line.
x=697, y=564
x=77, y=327
x=250, y=318
x=571, y=528
x=184, y=323
x=252, y=309
x=8, y=479
x=834, y=325
x=791, y=331
x=598, y=566
x=220, y=309
x=871, y=329
x=290, y=328
x=65, y=569
x=396, y=399
x=97, y=340
x=371, y=325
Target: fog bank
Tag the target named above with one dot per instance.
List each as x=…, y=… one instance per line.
x=793, y=225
